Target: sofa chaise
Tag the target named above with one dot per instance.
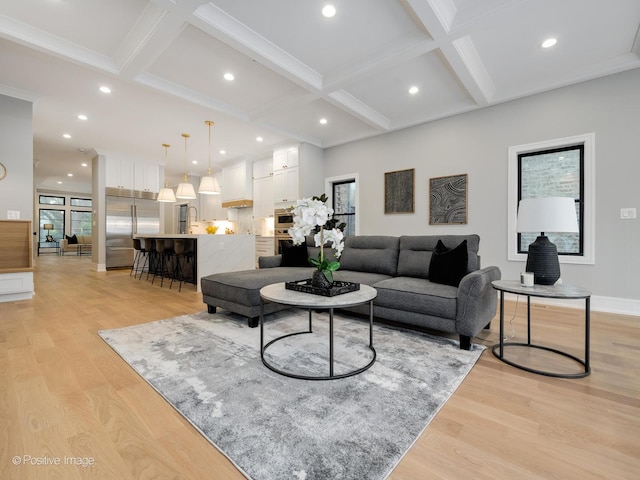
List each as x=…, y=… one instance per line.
x=414, y=277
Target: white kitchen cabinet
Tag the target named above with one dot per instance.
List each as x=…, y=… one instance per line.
x=285, y=158
x=119, y=174
x=146, y=177
x=263, y=200
x=285, y=185
x=263, y=168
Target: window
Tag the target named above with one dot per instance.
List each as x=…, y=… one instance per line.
x=55, y=217
x=80, y=222
x=563, y=168
x=49, y=200
x=80, y=202
x=344, y=204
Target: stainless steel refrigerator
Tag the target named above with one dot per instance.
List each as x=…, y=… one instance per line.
x=128, y=213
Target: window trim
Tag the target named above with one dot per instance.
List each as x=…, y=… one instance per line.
x=588, y=140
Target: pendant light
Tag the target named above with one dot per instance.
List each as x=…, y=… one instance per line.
x=185, y=189
x=209, y=185
x=166, y=194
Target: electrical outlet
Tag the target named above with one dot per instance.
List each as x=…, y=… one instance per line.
x=627, y=213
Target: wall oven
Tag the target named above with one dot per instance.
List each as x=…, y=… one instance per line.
x=283, y=220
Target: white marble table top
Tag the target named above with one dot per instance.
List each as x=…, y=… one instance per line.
x=276, y=292
x=548, y=291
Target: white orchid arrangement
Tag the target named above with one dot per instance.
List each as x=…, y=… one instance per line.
x=313, y=215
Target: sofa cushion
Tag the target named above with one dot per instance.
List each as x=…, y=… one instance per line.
x=243, y=287
x=373, y=254
x=415, y=253
x=417, y=295
x=295, y=255
x=366, y=278
x=448, y=265
x=72, y=240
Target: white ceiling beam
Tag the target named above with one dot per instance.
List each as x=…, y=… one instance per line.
x=227, y=29
x=437, y=16
x=359, y=109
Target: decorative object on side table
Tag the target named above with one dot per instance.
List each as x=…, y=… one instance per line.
x=48, y=227
x=549, y=214
x=312, y=215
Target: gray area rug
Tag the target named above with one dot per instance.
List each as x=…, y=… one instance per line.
x=273, y=427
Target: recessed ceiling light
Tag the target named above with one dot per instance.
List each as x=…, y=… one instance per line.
x=69, y=174
x=328, y=11
x=105, y=89
x=82, y=117
x=84, y=164
x=259, y=139
x=59, y=182
x=229, y=76
x=66, y=135
x=195, y=162
x=413, y=90
x=323, y=121
x=549, y=42
x=223, y=152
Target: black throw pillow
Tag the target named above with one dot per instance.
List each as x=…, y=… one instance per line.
x=71, y=240
x=295, y=255
x=448, y=266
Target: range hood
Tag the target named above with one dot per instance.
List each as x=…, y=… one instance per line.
x=238, y=204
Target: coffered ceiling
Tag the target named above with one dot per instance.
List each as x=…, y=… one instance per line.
x=165, y=62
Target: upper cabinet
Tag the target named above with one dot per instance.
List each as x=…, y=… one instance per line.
x=285, y=158
x=298, y=172
x=119, y=174
x=127, y=175
x=146, y=177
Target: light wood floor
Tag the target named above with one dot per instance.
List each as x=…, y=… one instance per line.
x=65, y=393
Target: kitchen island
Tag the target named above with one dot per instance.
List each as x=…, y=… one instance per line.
x=217, y=253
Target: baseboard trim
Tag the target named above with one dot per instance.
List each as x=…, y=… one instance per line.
x=621, y=306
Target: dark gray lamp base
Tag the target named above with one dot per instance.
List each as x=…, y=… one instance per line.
x=543, y=261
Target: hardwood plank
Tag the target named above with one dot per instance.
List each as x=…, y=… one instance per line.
x=63, y=391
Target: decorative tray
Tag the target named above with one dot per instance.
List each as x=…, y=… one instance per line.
x=336, y=288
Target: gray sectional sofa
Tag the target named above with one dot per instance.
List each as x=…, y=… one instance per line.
x=398, y=268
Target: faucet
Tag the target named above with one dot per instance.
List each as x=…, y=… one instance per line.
x=189, y=217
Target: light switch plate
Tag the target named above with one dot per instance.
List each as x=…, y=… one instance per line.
x=627, y=213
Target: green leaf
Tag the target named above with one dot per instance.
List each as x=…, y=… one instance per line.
x=328, y=275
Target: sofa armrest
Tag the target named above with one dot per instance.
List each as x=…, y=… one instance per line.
x=63, y=244
x=477, y=301
x=269, y=261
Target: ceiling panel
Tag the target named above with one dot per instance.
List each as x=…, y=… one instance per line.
x=359, y=29
x=197, y=61
x=388, y=91
x=95, y=24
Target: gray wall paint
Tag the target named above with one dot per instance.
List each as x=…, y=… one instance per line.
x=477, y=143
x=16, y=153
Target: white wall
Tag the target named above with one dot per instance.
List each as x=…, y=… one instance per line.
x=16, y=154
x=477, y=143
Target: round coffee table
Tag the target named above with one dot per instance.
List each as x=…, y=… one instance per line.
x=279, y=294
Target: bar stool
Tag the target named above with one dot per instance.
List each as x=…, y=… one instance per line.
x=152, y=254
x=140, y=255
x=165, y=250
x=184, y=250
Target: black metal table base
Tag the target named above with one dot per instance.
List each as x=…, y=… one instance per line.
x=332, y=375
x=498, y=349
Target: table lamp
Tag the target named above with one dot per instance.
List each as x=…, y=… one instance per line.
x=548, y=214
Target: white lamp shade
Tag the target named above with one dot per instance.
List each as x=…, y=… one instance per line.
x=548, y=214
x=209, y=186
x=166, y=195
x=186, y=191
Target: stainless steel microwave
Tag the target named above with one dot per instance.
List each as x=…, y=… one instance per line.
x=283, y=218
